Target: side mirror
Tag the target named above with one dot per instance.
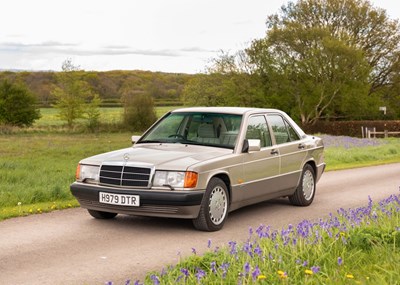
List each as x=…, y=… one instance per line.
x=135, y=139
x=251, y=145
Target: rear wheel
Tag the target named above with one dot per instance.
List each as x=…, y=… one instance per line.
x=214, y=207
x=305, y=191
x=102, y=215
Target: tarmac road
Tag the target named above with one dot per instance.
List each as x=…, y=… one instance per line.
x=70, y=247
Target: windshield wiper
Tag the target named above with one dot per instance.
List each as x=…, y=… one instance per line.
x=151, y=141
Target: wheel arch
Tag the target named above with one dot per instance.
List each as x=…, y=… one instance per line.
x=225, y=178
x=312, y=164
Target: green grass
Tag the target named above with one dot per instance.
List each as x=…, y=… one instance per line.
x=49, y=116
x=39, y=167
x=384, y=151
x=36, y=168
x=356, y=246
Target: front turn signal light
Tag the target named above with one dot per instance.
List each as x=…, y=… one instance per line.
x=78, y=172
x=190, y=179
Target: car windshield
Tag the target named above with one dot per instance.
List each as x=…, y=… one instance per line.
x=211, y=129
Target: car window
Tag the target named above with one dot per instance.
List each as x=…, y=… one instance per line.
x=170, y=125
x=257, y=128
x=283, y=131
x=211, y=129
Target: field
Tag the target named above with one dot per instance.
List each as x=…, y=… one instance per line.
x=108, y=115
x=36, y=169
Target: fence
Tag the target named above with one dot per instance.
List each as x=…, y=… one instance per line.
x=371, y=132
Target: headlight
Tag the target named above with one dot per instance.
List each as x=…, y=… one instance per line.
x=87, y=173
x=175, y=179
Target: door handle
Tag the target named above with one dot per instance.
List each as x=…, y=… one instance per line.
x=302, y=146
x=274, y=152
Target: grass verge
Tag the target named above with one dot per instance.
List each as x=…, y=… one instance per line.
x=21, y=210
x=356, y=246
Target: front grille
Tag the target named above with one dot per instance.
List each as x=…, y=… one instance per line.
x=126, y=176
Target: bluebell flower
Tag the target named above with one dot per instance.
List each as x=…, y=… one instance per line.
x=340, y=261
x=246, y=268
x=255, y=273
x=155, y=279
x=315, y=269
x=200, y=274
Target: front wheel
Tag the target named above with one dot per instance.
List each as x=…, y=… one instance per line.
x=102, y=215
x=305, y=192
x=214, y=207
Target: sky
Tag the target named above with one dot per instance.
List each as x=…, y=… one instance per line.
x=179, y=36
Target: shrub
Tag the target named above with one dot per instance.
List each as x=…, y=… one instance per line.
x=351, y=128
x=139, y=113
x=17, y=105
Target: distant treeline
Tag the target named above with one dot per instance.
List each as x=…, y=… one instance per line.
x=165, y=88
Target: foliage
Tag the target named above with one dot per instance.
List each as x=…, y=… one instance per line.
x=17, y=105
x=228, y=82
x=352, y=128
x=358, y=246
x=165, y=88
x=74, y=97
x=93, y=112
x=318, y=59
x=139, y=112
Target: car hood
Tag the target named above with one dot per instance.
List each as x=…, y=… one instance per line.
x=164, y=156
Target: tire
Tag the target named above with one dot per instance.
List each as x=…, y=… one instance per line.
x=102, y=215
x=214, y=207
x=305, y=191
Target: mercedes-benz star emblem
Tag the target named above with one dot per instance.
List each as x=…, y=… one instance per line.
x=126, y=157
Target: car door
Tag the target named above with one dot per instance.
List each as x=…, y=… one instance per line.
x=260, y=168
x=291, y=149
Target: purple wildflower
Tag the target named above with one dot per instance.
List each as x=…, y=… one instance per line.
x=224, y=267
x=255, y=273
x=232, y=244
x=213, y=267
x=340, y=261
x=200, y=274
x=194, y=251
x=258, y=250
x=209, y=243
x=185, y=272
x=246, y=268
x=247, y=248
x=155, y=279
x=250, y=231
x=315, y=269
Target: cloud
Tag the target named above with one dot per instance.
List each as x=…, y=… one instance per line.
x=53, y=47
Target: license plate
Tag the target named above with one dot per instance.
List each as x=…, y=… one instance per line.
x=119, y=199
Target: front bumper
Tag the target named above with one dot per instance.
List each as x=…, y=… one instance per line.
x=172, y=204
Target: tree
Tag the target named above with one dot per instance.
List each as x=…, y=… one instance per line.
x=139, y=112
x=74, y=96
x=17, y=105
x=228, y=81
x=329, y=58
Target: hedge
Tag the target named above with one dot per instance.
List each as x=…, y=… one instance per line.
x=351, y=128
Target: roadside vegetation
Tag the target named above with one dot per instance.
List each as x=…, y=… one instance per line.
x=37, y=164
x=353, y=246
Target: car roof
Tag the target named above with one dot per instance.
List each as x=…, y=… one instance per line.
x=227, y=110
